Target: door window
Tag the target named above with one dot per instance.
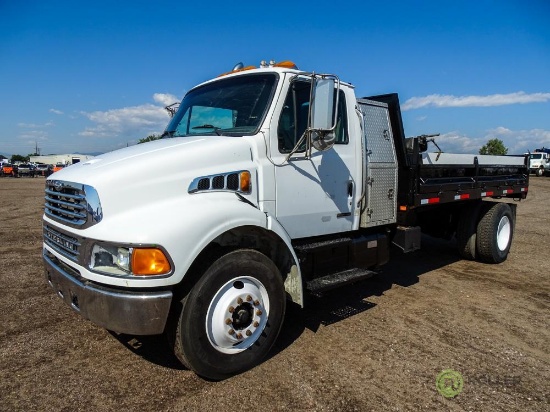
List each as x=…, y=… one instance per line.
x=294, y=118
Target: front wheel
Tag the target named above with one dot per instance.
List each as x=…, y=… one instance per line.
x=232, y=316
x=539, y=172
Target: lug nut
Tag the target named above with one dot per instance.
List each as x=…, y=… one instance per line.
x=248, y=298
x=259, y=312
x=230, y=309
x=256, y=302
x=239, y=301
x=231, y=331
x=256, y=324
x=248, y=333
x=228, y=321
x=239, y=336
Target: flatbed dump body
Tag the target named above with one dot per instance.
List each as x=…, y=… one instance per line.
x=426, y=179
x=452, y=177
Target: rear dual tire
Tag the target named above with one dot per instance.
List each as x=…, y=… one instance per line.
x=466, y=231
x=485, y=231
x=494, y=233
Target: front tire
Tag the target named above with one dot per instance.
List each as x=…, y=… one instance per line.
x=494, y=233
x=540, y=172
x=231, y=318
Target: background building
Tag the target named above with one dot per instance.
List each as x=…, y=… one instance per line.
x=66, y=159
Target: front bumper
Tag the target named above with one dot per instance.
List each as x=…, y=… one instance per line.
x=122, y=311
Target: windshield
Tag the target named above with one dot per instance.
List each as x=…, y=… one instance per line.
x=234, y=106
x=536, y=156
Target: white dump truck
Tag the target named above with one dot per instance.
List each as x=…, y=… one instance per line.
x=275, y=181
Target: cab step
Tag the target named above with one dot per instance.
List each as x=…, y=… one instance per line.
x=335, y=280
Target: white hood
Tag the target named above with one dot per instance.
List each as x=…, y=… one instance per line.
x=157, y=170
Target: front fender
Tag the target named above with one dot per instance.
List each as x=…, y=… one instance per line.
x=183, y=226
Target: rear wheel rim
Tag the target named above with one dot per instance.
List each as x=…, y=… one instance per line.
x=504, y=231
x=237, y=315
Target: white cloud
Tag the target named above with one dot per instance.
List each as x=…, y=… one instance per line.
x=521, y=141
x=137, y=120
x=35, y=126
x=517, y=141
x=438, y=100
x=165, y=98
x=55, y=111
x=454, y=142
x=33, y=135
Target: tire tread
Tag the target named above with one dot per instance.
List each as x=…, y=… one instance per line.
x=487, y=250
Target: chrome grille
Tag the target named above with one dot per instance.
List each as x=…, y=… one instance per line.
x=72, y=204
x=68, y=246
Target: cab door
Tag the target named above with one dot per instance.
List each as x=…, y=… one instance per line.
x=314, y=196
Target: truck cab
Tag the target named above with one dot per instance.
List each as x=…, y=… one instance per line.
x=275, y=181
x=539, y=163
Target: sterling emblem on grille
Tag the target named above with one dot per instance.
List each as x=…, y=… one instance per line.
x=60, y=241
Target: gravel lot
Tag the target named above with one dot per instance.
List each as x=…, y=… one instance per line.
x=377, y=345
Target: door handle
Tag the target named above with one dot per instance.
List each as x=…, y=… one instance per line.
x=350, y=189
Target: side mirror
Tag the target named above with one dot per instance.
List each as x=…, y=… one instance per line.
x=322, y=113
x=322, y=105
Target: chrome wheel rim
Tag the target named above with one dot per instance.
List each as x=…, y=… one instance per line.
x=504, y=231
x=237, y=315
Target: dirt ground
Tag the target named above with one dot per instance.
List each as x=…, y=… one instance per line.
x=377, y=345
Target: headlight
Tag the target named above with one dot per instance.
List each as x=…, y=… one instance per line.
x=129, y=261
x=123, y=258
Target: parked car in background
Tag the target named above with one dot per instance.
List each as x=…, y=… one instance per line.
x=9, y=170
x=27, y=170
x=44, y=170
x=58, y=167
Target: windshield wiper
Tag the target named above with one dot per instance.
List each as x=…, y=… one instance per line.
x=208, y=126
x=167, y=134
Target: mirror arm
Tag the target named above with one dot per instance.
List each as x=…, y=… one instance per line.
x=307, y=132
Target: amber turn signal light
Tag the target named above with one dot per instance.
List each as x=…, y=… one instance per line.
x=149, y=262
x=244, y=182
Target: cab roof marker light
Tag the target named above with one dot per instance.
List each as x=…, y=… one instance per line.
x=239, y=67
x=236, y=70
x=286, y=64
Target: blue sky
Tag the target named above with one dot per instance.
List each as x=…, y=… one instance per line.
x=94, y=77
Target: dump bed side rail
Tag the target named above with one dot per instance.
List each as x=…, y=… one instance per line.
x=436, y=178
